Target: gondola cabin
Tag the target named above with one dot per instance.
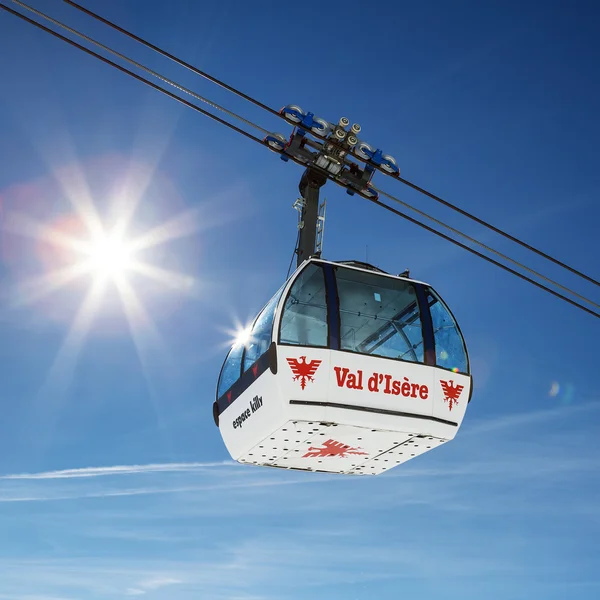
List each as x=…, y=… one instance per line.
x=348, y=370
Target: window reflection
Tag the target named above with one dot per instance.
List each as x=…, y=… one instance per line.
x=230, y=372
x=304, y=320
x=450, y=351
x=259, y=339
x=379, y=316
x=256, y=342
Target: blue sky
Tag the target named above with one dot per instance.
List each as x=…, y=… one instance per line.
x=114, y=481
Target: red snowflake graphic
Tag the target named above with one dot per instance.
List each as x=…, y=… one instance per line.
x=303, y=371
x=333, y=448
x=451, y=392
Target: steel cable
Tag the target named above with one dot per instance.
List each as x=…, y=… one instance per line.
x=275, y=112
x=139, y=66
x=166, y=54
x=375, y=201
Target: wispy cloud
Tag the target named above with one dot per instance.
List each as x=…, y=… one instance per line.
x=159, y=479
x=340, y=531
x=526, y=418
x=121, y=470
x=151, y=584
x=159, y=582
x=495, y=458
x=33, y=597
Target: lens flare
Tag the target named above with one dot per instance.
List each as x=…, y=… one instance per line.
x=81, y=246
x=110, y=255
x=243, y=336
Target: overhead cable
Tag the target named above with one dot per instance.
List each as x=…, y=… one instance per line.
x=375, y=201
x=498, y=230
x=271, y=110
x=130, y=73
x=488, y=248
x=138, y=65
x=173, y=58
x=487, y=258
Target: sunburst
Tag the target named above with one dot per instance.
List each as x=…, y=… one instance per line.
x=110, y=255
x=107, y=256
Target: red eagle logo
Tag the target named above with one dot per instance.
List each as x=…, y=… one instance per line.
x=451, y=392
x=333, y=448
x=303, y=371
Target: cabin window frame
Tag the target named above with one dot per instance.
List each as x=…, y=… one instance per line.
x=428, y=290
x=225, y=363
x=426, y=338
x=328, y=306
x=275, y=299
x=277, y=295
x=333, y=320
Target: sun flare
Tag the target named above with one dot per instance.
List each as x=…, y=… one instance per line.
x=79, y=246
x=242, y=336
x=110, y=255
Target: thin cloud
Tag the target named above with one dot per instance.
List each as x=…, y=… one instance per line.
x=159, y=582
x=33, y=597
x=485, y=467
x=250, y=482
x=528, y=418
x=119, y=470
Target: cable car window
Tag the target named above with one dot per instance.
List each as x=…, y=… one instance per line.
x=304, y=320
x=260, y=336
x=231, y=370
x=450, y=351
x=379, y=316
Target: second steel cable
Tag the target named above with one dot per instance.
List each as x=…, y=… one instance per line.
x=259, y=141
x=406, y=182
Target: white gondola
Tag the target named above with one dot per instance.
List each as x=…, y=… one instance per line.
x=348, y=370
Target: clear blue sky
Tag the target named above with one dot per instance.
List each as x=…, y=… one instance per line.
x=492, y=105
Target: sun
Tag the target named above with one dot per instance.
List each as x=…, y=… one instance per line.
x=243, y=336
x=110, y=255
x=80, y=245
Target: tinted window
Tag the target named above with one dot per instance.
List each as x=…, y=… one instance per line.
x=379, y=315
x=260, y=336
x=304, y=320
x=450, y=351
x=231, y=370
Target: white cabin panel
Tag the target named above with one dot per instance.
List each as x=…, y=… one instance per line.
x=451, y=392
x=303, y=373
x=251, y=417
x=345, y=379
x=374, y=382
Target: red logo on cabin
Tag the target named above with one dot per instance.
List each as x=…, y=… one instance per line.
x=303, y=371
x=333, y=448
x=451, y=392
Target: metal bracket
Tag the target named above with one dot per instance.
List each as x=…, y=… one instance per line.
x=320, y=228
x=310, y=184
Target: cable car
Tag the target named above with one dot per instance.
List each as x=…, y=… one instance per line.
x=347, y=369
